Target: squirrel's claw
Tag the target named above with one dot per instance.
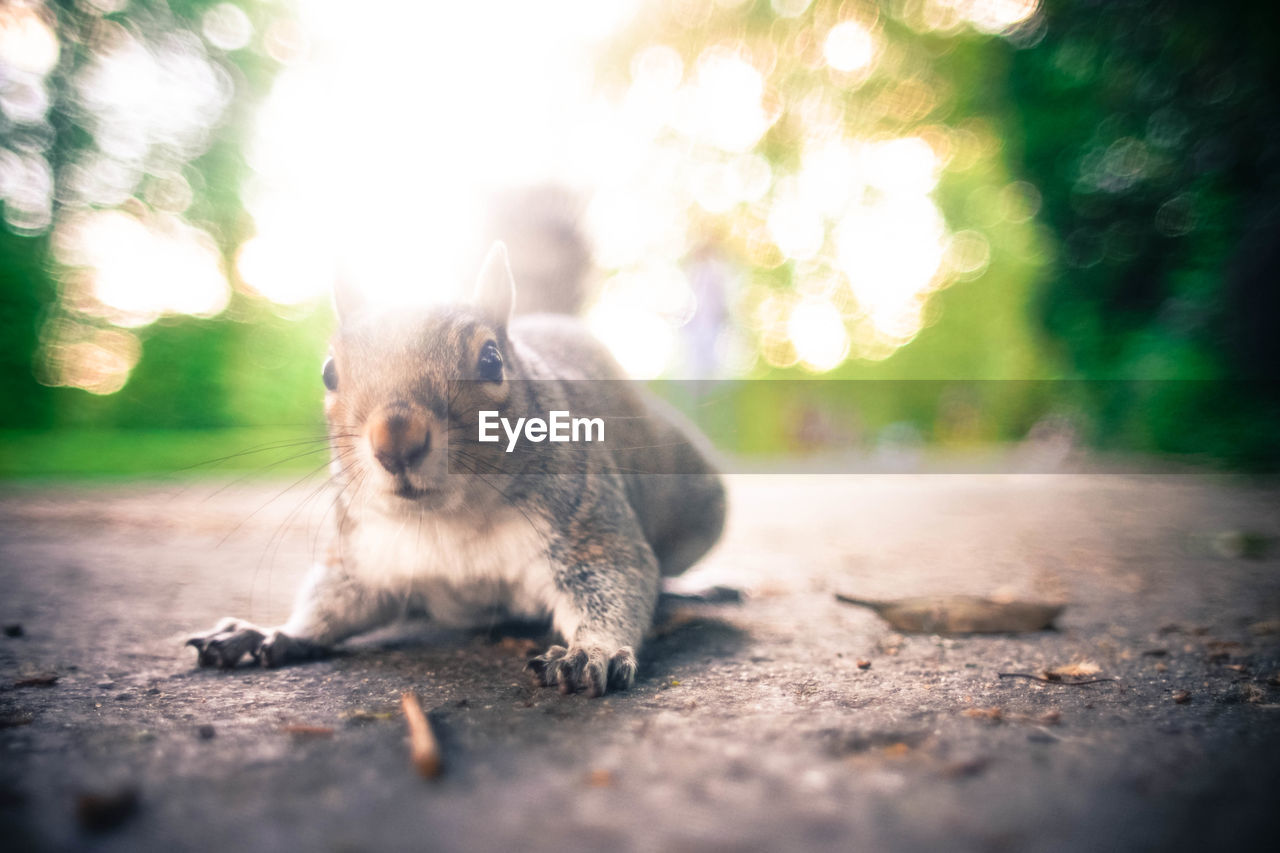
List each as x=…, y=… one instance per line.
x=622, y=669
x=591, y=669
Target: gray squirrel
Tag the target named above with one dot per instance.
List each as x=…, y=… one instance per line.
x=431, y=521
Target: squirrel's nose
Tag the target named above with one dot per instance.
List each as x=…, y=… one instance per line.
x=400, y=438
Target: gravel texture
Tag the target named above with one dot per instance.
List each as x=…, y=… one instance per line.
x=789, y=721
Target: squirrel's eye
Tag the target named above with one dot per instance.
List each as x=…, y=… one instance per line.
x=330, y=374
x=489, y=365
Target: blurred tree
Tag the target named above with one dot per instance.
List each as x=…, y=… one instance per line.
x=899, y=189
x=140, y=108
x=1153, y=133
x=25, y=291
x=848, y=159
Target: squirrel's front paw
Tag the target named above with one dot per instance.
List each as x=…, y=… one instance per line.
x=232, y=639
x=590, y=668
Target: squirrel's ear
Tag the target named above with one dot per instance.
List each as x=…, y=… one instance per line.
x=348, y=300
x=496, y=288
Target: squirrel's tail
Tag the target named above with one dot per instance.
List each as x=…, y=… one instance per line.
x=550, y=256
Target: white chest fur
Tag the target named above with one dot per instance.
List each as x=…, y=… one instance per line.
x=460, y=572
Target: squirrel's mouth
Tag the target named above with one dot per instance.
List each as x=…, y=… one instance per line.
x=404, y=489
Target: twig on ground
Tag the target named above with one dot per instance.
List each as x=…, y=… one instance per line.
x=424, y=750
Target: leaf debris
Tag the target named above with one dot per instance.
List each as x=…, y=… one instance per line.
x=1051, y=679
x=961, y=614
x=991, y=715
x=1078, y=669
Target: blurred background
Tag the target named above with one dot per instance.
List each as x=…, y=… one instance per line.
x=1083, y=197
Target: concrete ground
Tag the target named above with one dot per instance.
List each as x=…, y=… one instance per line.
x=789, y=721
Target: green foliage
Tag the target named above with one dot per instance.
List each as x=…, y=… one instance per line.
x=25, y=291
x=1151, y=132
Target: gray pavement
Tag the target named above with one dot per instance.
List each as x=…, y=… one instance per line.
x=787, y=722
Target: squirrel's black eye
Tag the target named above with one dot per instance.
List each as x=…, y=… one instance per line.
x=330, y=374
x=489, y=365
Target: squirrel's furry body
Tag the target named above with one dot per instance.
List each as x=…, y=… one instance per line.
x=430, y=521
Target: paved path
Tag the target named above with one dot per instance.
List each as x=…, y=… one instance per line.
x=752, y=727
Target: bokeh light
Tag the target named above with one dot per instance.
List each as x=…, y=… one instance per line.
x=776, y=188
x=817, y=331
x=848, y=47
x=387, y=183
x=92, y=358
x=29, y=51
x=27, y=44
x=226, y=27
x=812, y=149
x=137, y=271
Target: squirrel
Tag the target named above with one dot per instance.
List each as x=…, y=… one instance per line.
x=432, y=522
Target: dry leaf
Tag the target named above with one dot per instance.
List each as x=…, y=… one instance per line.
x=364, y=715
x=1265, y=628
x=520, y=645
x=961, y=614
x=890, y=644
x=600, y=778
x=991, y=715
x=1079, y=669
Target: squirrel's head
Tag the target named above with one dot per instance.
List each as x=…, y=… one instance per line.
x=402, y=386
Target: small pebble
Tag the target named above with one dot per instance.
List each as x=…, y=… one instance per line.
x=13, y=630
x=864, y=664
x=206, y=731
x=1182, y=697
